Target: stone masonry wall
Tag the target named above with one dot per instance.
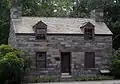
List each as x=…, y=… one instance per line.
x=102, y=46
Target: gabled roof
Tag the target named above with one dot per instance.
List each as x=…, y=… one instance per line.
x=87, y=24
x=59, y=25
x=40, y=24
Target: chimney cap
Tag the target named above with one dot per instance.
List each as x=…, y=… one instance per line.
x=16, y=9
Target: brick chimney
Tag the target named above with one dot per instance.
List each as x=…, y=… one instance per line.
x=16, y=9
x=97, y=15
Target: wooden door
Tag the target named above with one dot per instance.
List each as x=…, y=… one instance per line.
x=65, y=62
x=89, y=60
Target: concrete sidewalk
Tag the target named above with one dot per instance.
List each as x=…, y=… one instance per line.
x=88, y=82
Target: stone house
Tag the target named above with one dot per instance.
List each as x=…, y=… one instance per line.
x=62, y=46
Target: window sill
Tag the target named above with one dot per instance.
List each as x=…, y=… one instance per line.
x=41, y=68
x=89, y=39
x=40, y=40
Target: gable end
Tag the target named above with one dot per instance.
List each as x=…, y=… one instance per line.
x=87, y=25
x=40, y=25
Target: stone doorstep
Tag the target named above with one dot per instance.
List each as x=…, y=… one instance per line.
x=69, y=76
x=65, y=75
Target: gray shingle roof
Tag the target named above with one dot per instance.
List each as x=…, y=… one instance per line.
x=58, y=25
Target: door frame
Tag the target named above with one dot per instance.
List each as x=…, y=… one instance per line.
x=68, y=61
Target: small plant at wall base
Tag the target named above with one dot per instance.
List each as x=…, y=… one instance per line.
x=44, y=79
x=12, y=66
x=115, y=66
x=93, y=78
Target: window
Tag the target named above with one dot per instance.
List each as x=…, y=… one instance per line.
x=40, y=36
x=40, y=59
x=89, y=34
x=89, y=60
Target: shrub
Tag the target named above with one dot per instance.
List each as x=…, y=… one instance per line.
x=12, y=66
x=4, y=49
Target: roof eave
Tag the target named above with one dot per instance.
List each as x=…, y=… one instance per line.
x=63, y=34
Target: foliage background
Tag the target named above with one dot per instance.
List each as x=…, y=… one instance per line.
x=63, y=8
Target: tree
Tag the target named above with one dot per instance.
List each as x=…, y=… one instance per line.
x=4, y=21
x=111, y=9
x=46, y=8
x=112, y=19
x=37, y=8
x=80, y=9
x=63, y=8
x=115, y=66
